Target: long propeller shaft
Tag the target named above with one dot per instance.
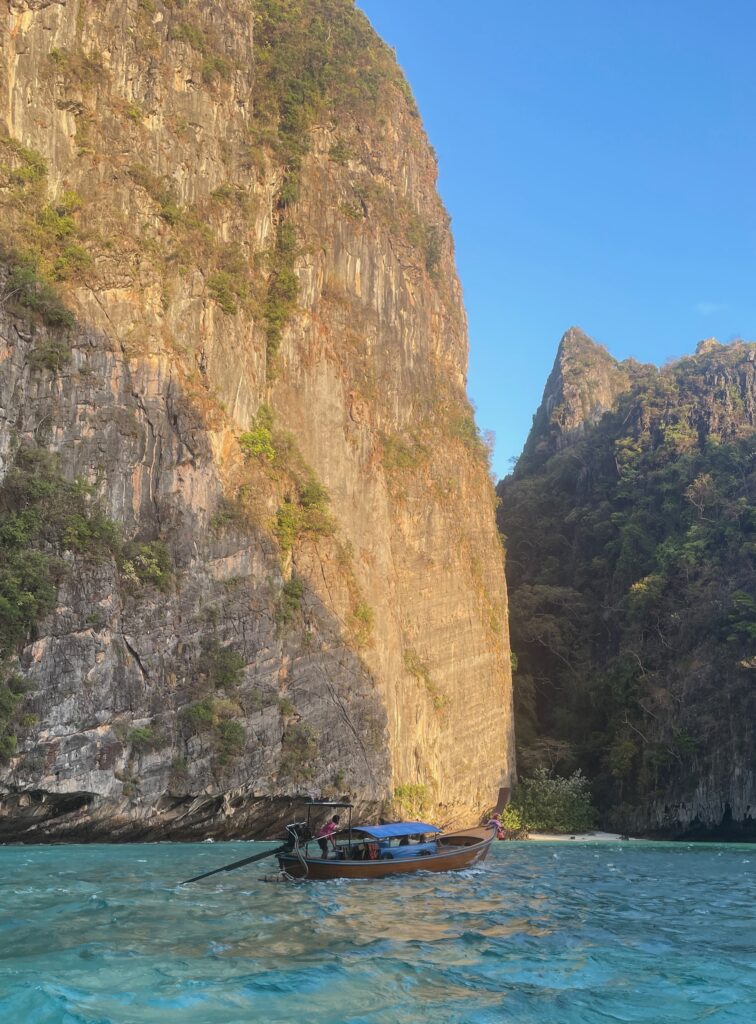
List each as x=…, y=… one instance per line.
x=236, y=864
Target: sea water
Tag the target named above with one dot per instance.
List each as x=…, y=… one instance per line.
x=549, y=933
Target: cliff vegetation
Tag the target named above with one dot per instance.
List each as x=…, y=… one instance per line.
x=630, y=525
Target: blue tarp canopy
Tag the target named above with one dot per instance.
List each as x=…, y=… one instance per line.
x=396, y=829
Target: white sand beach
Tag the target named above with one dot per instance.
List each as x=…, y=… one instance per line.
x=578, y=837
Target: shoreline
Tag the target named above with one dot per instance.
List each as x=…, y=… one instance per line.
x=580, y=837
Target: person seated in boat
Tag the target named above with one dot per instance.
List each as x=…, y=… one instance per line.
x=325, y=835
x=495, y=822
x=365, y=851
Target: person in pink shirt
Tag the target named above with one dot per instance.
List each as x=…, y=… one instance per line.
x=495, y=822
x=325, y=835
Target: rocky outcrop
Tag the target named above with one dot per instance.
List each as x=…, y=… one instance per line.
x=584, y=383
x=629, y=526
x=295, y=584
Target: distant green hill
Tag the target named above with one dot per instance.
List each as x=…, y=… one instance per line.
x=630, y=529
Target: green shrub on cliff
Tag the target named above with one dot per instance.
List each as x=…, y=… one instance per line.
x=287, y=524
x=304, y=510
x=144, y=738
x=362, y=619
x=410, y=800
x=28, y=588
x=222, y=667
x=214, y=68
x=258, y=442
x=308, y=514
x=283, y=287
x=463, y=428
x=161, y=190
x=427, y=238
x=232, y=738
x=213, y=719
x=188, y=32
x=290, y=601
x=299, y=749
x=229, y=284
x=42, y=516
x=27, y=290
x=223, y=288
x=200, y=716
x=147, y=562
x=401, y=453
x=316, y=57
x=315, y=500
x=417, y=667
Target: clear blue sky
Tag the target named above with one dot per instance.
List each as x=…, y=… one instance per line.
x=598, y=160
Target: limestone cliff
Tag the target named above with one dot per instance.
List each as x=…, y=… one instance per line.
x=246, y=517
x=630, y=533
x=583, y=384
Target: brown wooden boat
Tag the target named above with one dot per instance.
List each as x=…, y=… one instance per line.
x=368, y=851
x=377, y=851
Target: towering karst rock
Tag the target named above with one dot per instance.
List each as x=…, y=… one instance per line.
x=630, y=523
x=247, y=541
x=583, y=384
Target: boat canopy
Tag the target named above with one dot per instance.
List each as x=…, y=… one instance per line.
x=396, y=828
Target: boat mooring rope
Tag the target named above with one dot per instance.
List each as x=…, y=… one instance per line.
x=296, y=848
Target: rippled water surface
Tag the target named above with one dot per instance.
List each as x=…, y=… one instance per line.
x=545, y=932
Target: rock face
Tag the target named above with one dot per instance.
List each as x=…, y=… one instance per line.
x=630, y=535
x=235, y=446
x=584, y=384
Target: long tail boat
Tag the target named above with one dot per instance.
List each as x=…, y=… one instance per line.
x=368, y=851
x=376, y=851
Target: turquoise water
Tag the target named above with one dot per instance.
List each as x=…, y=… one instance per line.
x=546, y=933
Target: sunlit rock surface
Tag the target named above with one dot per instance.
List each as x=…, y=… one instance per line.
x=175, y=216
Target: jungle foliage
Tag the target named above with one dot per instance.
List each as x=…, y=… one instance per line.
x=545, y=802
x=632, y=580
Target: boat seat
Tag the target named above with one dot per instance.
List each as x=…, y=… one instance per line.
x=414, y=850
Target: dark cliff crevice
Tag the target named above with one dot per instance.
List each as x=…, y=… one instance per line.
x=134, y=654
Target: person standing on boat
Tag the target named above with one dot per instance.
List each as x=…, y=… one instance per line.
x=495, y=822
x=325, y=835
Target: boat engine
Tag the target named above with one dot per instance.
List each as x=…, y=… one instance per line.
x=297, y=833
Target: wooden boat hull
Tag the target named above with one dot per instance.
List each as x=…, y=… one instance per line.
x=457, y=850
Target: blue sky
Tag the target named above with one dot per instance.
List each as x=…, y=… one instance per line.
x=598, y=161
